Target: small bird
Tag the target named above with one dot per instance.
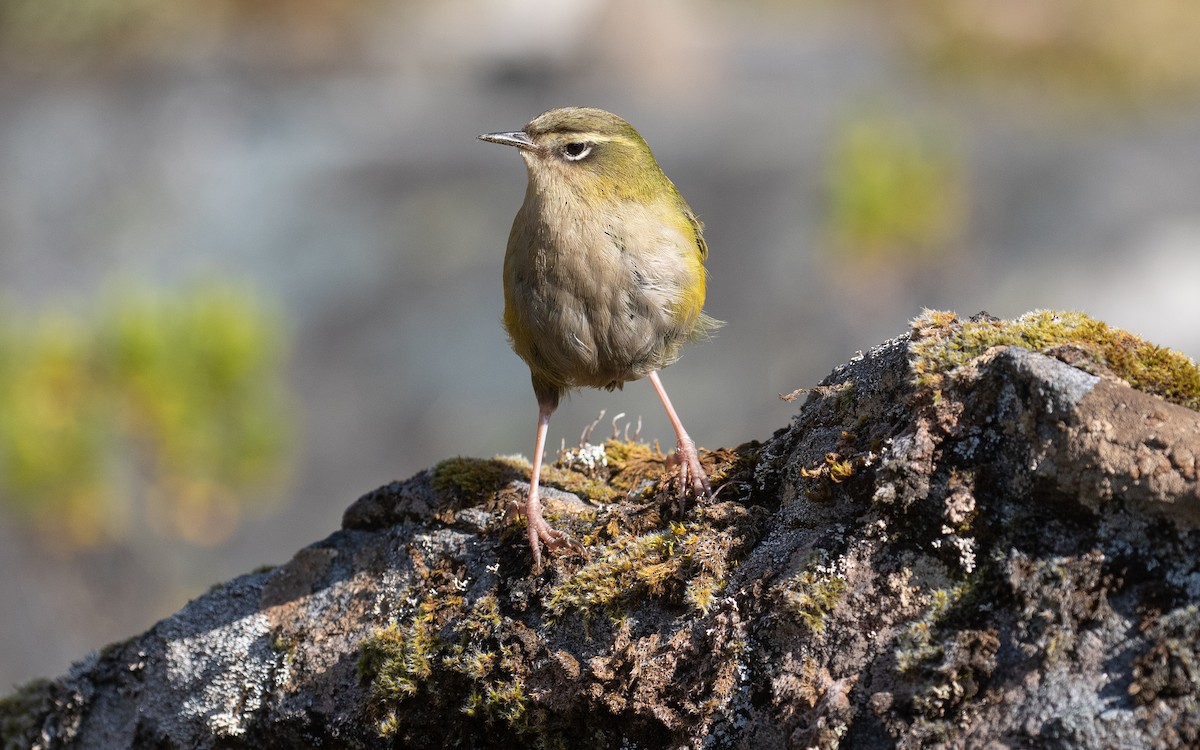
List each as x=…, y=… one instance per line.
x=604, y=276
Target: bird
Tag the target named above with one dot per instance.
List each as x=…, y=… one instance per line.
x=604, y=277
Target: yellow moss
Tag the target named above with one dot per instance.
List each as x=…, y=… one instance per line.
x=396, y=661
x=701, y=591
x=592, y=489
x=454, y=646
x=476, y=478
x=686, y=563
x=811, y=596
x=621, y=452
x=840, y=471
x=629, y=467
x=613, y=577
x=835, y=467
x=401, y=661
x=634, y=465
x=621, y=470
x=941, y=342
x=483, y=619
x=507, y=700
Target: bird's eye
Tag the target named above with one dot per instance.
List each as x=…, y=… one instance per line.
x=576, y=150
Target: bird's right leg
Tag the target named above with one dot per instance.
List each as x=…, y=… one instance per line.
x=539, y=530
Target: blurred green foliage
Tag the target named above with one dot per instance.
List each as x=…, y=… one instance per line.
x=894, y=191
x=170, y=408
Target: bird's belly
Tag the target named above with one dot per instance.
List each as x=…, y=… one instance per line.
x=585, y=332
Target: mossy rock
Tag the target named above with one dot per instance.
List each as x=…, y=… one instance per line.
x=941, y=342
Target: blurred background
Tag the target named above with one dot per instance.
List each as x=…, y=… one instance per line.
x=250, y=250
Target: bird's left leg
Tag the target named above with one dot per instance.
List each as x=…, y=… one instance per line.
x=690, y=471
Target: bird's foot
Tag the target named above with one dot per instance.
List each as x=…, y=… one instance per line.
x=691, y=474
x=540, y=532
x=549, y=536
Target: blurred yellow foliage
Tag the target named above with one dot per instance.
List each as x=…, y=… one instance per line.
x=89, y=33
x=177, y=400
x=1106, y=46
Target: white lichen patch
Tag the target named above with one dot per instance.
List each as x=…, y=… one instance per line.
x=224, y=674
x=585, y=459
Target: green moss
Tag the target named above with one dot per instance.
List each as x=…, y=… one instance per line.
x=495, y=667
x=946, y=666
x=395, y=661
x=476, y=478
x=941, y=342
x=685, y=563
x=20, y=715
x=482, y=620
x=632, y=557
x=497, y=689
x=501, y=700
x=594, y=489
x=811, y=595
x=623, y=468
x=967, y=661
x=628, y=569
x=917, y=643
x=466, y=655
x=452, y=646
x=895, y=190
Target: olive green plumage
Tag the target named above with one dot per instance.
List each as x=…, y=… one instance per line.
x=604, y=278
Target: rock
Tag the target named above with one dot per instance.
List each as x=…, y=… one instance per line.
x=978, y=534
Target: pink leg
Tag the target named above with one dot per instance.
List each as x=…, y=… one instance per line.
x=539, y=530
x=685, y=449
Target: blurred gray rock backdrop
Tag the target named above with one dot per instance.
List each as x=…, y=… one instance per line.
x=314, y=163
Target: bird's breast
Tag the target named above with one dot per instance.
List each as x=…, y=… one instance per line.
x=597, y=296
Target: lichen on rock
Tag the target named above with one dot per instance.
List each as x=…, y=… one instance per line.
x=979, y=532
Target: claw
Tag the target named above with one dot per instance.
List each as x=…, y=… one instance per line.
x=690, y=469
x=540, y=532
x=691, y=473
x=692, y=478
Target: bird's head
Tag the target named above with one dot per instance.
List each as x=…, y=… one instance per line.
x=592, y=152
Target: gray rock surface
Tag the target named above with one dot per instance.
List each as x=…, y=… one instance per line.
x=1011, y=559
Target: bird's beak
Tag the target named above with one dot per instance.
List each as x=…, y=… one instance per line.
x=516, y=138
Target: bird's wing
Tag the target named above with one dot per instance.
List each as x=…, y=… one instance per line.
x=698, y=230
